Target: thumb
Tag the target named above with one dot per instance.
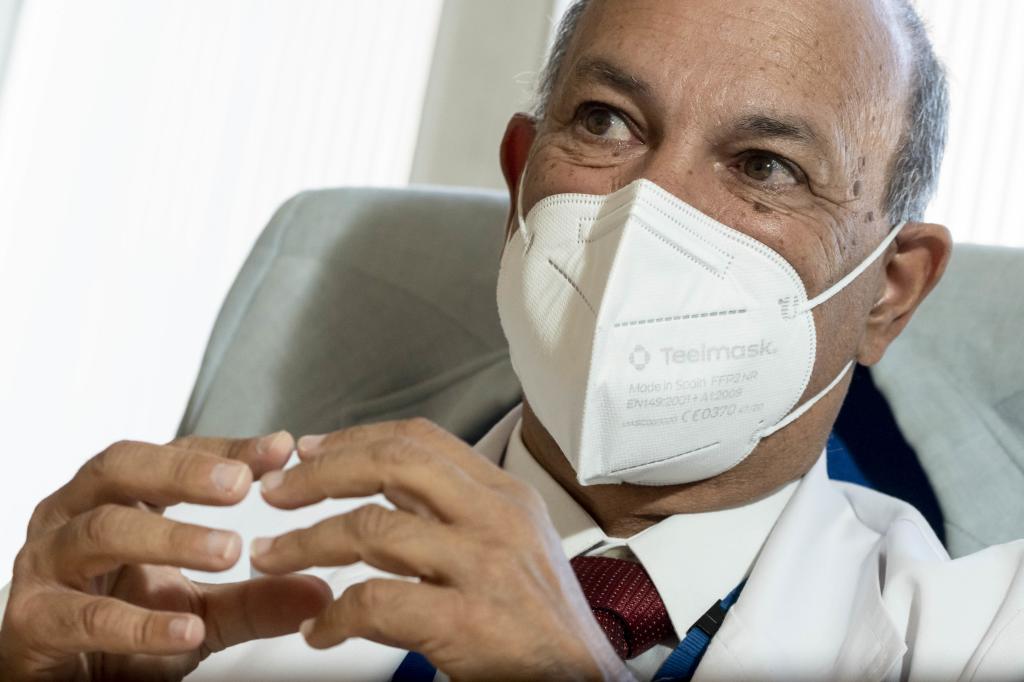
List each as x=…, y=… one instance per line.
x=262, y=454
x=260, y=608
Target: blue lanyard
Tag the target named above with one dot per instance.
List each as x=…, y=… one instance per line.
x=684, y=659
x=680, y=665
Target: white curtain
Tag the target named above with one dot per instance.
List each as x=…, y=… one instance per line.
x=980, y=42
x=143, y=146
x=9, y=10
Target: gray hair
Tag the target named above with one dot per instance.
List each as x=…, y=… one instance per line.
x=914, y=170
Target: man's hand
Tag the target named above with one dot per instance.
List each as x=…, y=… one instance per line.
x=496, y=598
x=97, y=593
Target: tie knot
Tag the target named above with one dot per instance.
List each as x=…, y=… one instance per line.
x=625, y=603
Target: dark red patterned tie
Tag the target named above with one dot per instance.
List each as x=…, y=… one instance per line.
x=625, y=603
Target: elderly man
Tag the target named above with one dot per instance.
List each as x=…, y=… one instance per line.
x=718, y=213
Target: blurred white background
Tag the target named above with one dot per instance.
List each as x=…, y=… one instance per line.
x=145, y=143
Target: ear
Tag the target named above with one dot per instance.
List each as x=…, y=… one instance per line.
x=922, y=252
x=515, y=149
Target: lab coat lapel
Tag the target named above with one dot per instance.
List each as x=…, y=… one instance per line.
x=812, y=606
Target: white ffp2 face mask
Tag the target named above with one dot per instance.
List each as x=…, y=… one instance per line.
x=656, y=345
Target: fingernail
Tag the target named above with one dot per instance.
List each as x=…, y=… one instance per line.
x=306, y=627
x=222, y=544
x=309, y=444
x=270, y=443
x=272, y=479
x=227, y=477
x=181, y=628
x=260, y=546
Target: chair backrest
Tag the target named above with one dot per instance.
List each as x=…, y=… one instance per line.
x=358, y=305
x=955, y=382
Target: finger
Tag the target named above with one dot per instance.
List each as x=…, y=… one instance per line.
x=72, y=622
x=310, y=446
x=160, y=475
x=261, y=454
x=398, y=467
x=110, y=536
x=391, y=540
x=261, y=608
x=418, y=429
x=392, y=612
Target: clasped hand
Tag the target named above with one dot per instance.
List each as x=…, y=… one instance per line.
x=496, y=597
x=97, y=591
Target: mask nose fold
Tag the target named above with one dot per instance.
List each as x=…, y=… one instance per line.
x=606, y=220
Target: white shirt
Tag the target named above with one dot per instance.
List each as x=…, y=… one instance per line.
x=693, y=559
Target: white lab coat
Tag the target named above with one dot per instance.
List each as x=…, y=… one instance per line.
x=850, y=585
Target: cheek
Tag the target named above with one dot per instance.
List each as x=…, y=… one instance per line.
x=843, y=321
x=807, y=240
x=557, y=168
x=804, y=229
x=841, y=324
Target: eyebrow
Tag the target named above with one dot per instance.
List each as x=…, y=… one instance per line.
x=604, y=71
x=770, y=127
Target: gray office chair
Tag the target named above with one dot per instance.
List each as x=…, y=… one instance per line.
x=359, y=305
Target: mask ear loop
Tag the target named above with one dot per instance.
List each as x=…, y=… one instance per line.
x=527, y=237
x=818, y=300
x=855, y=273
x=799, y=412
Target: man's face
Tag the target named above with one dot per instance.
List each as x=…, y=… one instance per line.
x=777, y=119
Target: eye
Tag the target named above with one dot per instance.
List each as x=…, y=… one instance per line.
x=604, y=122
x=768, y=169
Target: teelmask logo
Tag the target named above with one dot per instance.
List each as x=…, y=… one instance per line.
x=705, y=353
x=639, y=357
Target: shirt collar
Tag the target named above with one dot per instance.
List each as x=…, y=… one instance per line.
x=693, y=559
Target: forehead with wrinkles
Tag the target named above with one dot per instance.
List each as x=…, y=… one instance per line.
x=836, y=70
